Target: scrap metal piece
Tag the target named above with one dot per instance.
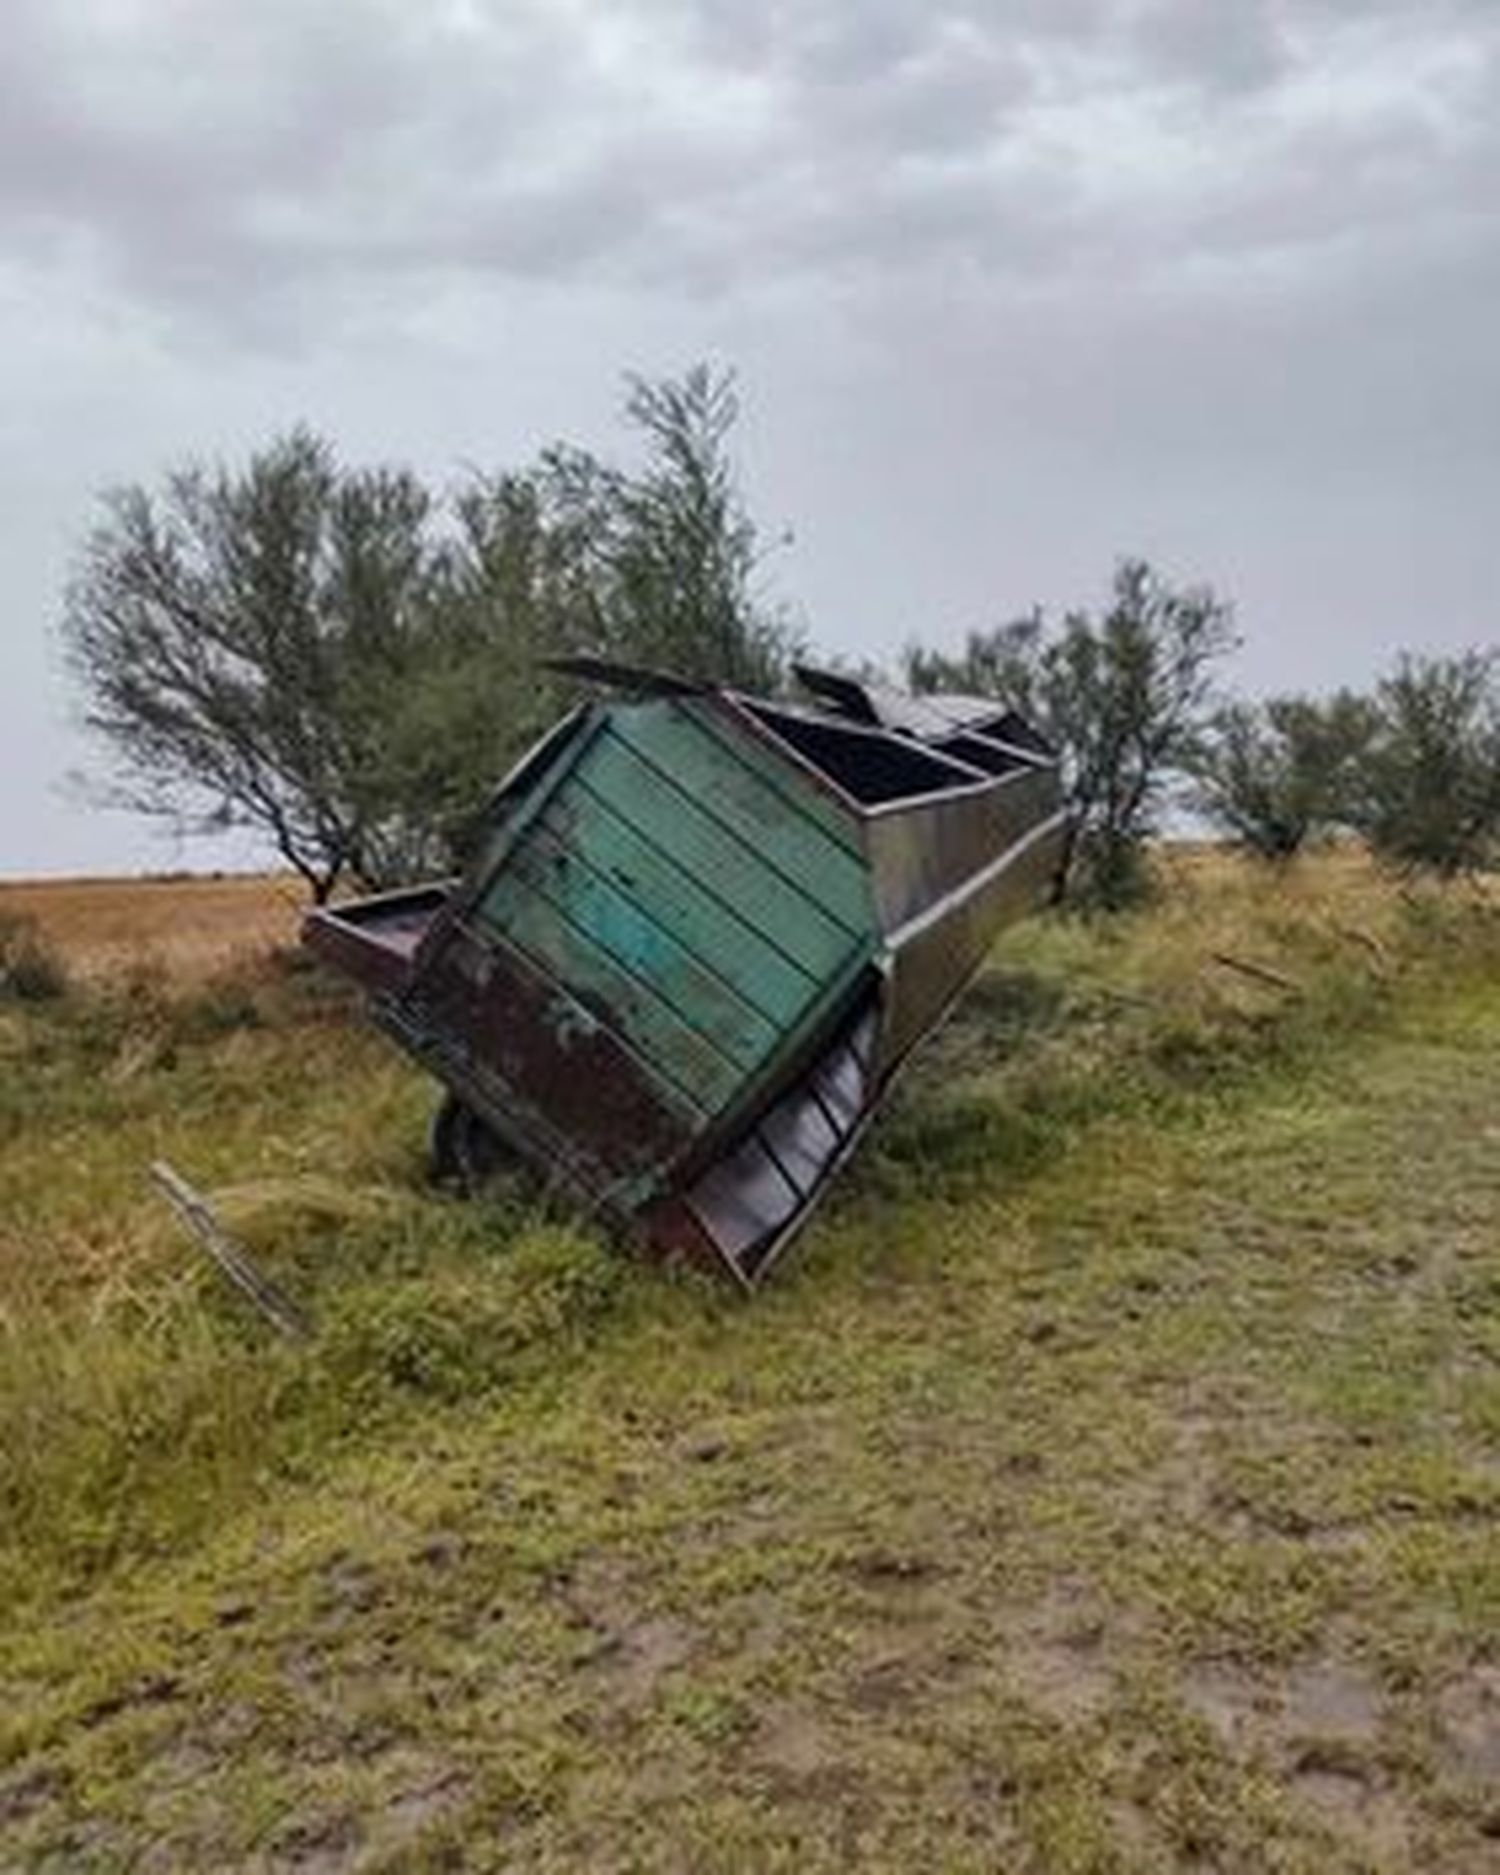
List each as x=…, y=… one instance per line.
x=702, y=932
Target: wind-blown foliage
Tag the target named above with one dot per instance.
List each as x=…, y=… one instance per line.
x=237, y=635
x=1428, y=788
x=1275, y=775
x=680, y=562
x=341, y=662
x=1124, y=697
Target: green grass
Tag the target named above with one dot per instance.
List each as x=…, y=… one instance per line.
x=1111, y=1481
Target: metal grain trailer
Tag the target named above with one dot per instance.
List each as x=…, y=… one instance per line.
x=700, y=934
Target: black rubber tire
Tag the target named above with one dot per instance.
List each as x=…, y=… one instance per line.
x=463, y=1151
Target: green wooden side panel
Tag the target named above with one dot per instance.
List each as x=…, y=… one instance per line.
x=642, y=946
x=693, y=898
x=674, y=1051
x=772, y=822
x=765, y=977
x=673, y=822
x=747, y=749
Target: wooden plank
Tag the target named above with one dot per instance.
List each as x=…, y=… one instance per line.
x=656, y=808
x=722, y=936
x=622, y=926
x=743, y=745
x=742, y=801
x=593, y=978
x=1259, y=973
x=197, y=1214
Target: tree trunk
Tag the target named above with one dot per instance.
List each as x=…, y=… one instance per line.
x=1062, y=878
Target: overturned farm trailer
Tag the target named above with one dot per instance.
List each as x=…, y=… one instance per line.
x=701, y=933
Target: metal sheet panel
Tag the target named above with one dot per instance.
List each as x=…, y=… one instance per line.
x=750, y=1203
x=744, y=1199
x=922, y=854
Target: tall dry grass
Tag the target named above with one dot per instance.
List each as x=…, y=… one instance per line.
x=184, y=928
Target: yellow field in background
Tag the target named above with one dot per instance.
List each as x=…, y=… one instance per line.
x=187, y=926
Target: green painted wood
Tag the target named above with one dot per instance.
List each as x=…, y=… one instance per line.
x=762, y=816
x=778, y=771
x=724, y=937
x=672, y=1050
x=654, y=807
x=624, y=927
x=700, y=902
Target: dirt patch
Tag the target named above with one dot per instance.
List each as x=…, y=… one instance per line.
x=1468, y=1710
x=792, y=1740
x=350, y=1587
x=1134, y=1832
x=326, y=1845
x=1332, y=1700
x=1057, y=1656
x=1066, y=1683
x=885, y=1568
x=1320, y=1701
x=154, y=1689
x=886, y=1685
x=418, y=1805
x=1230, y=1701
x=421, y=1793
x=1347, y=1795
x=795, y=1754
x=1315, y=1727
x=29, y=1791
x=629, y=1647
x=648, y=1650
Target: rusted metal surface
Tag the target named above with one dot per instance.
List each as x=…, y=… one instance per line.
x=702, y=933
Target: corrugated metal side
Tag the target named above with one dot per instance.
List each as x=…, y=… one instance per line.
x=692, y=891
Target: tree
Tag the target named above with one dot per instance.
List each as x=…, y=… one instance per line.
x=481, y=693
x=654, y=567
x=236, y=637
x=1276, y=774
x=1427, y=790
x=334, y=659
x=1124, y=697
x=660, y=565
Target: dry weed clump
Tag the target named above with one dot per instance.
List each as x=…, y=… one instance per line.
x=1236, y=968
x=31, y=969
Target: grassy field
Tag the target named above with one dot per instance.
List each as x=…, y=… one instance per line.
x=187, y=928
x=1111, y=1482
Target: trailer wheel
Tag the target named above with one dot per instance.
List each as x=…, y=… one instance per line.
x=462, y=1150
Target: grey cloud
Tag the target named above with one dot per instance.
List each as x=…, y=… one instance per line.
x=1013, y=286
x=1237, y=49
x=217, y=157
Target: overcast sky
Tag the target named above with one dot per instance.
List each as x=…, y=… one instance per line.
x=1011, y=289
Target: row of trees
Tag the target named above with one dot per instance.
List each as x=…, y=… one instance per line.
x=344, y=662
x=1123, y=696
x=1414, y=767
x=1132, y=699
